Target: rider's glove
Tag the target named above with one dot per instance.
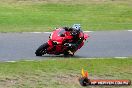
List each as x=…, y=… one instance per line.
x=71, y=46
x=67, y=44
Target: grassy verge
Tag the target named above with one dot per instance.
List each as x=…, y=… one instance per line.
x=27, y=16
x=62, y=73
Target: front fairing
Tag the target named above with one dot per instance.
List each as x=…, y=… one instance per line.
x=56, y=37
x=59, y=35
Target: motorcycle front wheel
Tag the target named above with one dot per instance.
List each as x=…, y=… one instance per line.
x=42, y=49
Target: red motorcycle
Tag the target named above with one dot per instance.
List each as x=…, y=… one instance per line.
x=57, y=43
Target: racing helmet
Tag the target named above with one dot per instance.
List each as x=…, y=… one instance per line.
x=76, y=30
x=76, y=27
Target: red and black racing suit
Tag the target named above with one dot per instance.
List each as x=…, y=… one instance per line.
x=77, y=38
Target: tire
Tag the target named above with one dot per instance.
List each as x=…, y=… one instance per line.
x=42, y=49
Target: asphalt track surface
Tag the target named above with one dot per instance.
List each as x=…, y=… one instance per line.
x=19, y=46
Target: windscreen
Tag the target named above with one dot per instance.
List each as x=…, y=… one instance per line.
x=61, y=32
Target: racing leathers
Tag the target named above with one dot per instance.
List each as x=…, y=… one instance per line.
x=76, y=40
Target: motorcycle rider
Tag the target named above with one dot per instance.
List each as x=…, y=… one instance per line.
x=75, y=31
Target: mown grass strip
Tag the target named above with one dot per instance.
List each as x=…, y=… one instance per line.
x=24, y=17
x=62, y=72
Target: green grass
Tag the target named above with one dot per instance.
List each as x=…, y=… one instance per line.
x=40, y=16
x=62, y=73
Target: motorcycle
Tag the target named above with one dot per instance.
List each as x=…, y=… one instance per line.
x=58, y=43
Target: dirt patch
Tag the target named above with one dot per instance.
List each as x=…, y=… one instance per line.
x=8, y=82
x=20, y=81
x=67, y=79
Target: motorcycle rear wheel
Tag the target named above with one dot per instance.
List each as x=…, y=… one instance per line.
x=42, y=49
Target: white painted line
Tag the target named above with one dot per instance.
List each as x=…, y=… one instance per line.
x=29, y=60
x=105, y=58
x=10, y=61
x=120, y=57
x=129, y=30
x=97, y=58
x=33, y=32
x=37, y=32
x=88, y=31
x=48, y=32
